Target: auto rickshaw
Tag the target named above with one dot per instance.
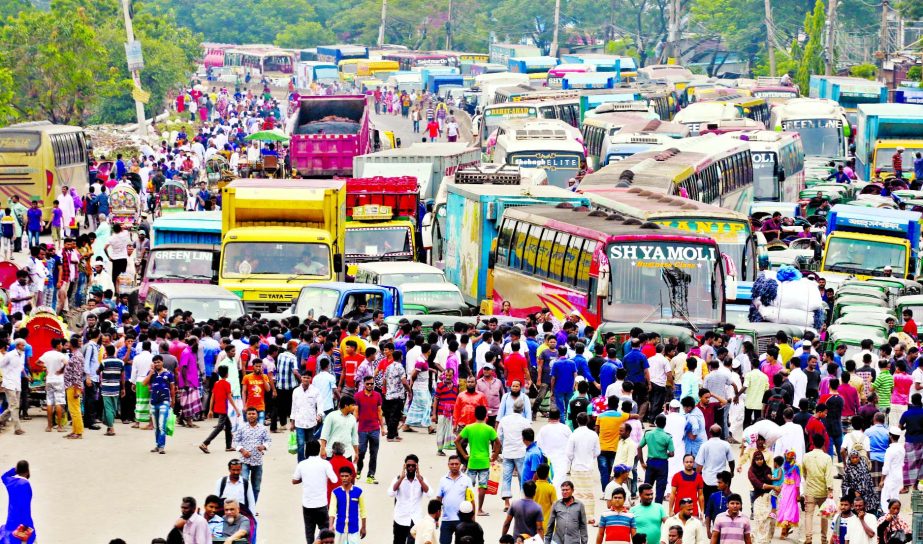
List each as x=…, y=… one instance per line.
x=875, y=321
x=763, y=333
x=43, y=326
x=623, y=330
x=125, y=206
x=218, y=172
x=856, y=300
x=852, y=336
x=913, y=303
x=172, y=197
x=897, y=287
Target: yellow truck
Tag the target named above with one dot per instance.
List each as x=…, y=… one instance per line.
x=278, y=236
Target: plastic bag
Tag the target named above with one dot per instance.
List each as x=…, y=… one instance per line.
x=292, y=443
x=171, y=423
x=829, y=508
x=493, y=478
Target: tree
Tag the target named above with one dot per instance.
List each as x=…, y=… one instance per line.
x=304, y=35
x=7, y=111
x=812, y=59
x=865, y=71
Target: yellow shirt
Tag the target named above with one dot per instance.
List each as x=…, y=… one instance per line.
x=786, y=352
x=818, y=471
x=545, y=496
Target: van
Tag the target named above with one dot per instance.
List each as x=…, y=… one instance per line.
x=204, y=301
x=397, y=274
x=441, y=298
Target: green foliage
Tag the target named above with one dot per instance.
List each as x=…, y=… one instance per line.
x=12, y=8
x=865, y=71
x=915, y=73
x=812, y=59
x=304, y=35
x=7, y=111
x=624, y=47
x=911, y=9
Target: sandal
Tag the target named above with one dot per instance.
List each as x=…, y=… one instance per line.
x=204, y=448
x=109, y=433
x=74, y=436
x=47, y=429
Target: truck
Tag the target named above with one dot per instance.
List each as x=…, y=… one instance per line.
x=327, y=132
x=428, y=162
x=848, y=91
x=880, y=130
x=339, y=299
x=536, y=67
x=381, y=220
x=863, y=241
x=185, y=248
x=501, y=53
x=440, y=84
x=336, y=53
x=472, y=223
x=279, y=235
x=908, y=95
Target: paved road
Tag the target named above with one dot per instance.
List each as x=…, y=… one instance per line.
x=403, y=128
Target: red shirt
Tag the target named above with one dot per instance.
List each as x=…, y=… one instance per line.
x=687, y=488
x=648, y=350
x=910, y=327
x=338, y=462
x=816, y=426
x=221, y=393
x=433, y=128
x=368, y=411
x=465, y=405
x=350, y=364
x=517, y=368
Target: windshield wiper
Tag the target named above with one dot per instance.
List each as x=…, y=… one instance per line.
x=296, y=276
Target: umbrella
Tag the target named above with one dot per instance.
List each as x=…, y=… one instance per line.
x=268, y=136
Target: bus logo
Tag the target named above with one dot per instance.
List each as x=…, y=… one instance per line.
x=674, y=254
x=812, y=123
x=547, y=161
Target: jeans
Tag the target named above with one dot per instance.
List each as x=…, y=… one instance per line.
x=656, y=473
x=837, y=443
x=605, y=461
x=254, y=473
x=368, y=441
x=33, y=237
x=159, y=413
x=560, y=401
x=447, y=531
x=314, y=520
x=303, y=436
x=506, y=488
x=224, y=423
x=393, y=409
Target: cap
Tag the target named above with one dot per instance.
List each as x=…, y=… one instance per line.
x=888, y=267
x=675, y=404
x=621, y=469
x=805, y=342
x=488, y=366
x=735, y=363
x=895, y=430
x=575, y=313
x=142, y=234
x=466, y=507
x=685, y=500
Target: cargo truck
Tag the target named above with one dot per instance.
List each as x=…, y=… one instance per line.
x=863, y=241
x=880, y=130
x=326, y=133
x=848, y=91
x=280, y=235
x=381, y=220
x=428, y=162
x=335, y=53
x=501, y=53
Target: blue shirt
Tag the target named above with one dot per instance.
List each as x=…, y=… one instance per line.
x=607, y=375
x=918, y=168
x=533, y=347
x=878, y=442
x=583, y=368
x=160, y=387
x=716, y=504
x=695, y=424
x=563, y=371
x=635, y=364
x=120, y=169
x=102, y=201
x=534, y=457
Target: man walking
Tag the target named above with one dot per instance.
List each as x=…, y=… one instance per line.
x=510, y=429
x=453, y=491
x=582, y=451
x=287, y=379
x=305, y=413
x=163, y=393
x=251, y=440
x=713, y=457
x=370, y=420
x=567, y=522
x=731, y=527
x=313, y=473
x=11, y=366
x=219, y=400
x=817, y=486
x=659, y=450
x=479, y=447
x=407, y=489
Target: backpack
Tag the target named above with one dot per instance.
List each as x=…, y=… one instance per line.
x=775, y=405
x=224, y=483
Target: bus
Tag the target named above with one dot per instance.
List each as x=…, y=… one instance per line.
x=775, y=94
x=673, y=74
x=778, y=164
x=406, y=81
x=753, y=108
x=556, y=75
x=731, y=125
x=709, y=169
x=635, y=137
x=605, y=267
x=501, y=53
x=821, y=123
x=267, y=59
x=545, y=144
x=480, y=68
x=565, y=110
x=37, y=159
x=381, y=69
x=699, y=114
x=589, y=81
x=310, y=72
x=626, y=67
x=599, y=131
x=518, y=93
x=729, y=229
x=536, y=67
x=408, y=61
x=349, y=68
x=336, y=53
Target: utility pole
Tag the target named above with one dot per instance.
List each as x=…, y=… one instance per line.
x=673, y=32
x=448, y=29
x=553, y=50
x=769, y=32
x=384, y=18
x=884, y=46
x=135, y=63
x=831, y=26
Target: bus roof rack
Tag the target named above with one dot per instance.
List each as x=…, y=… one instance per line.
x=489, y=174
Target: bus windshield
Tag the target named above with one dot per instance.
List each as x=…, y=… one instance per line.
x=378, y=242
x=179, y=264
x=665, y=282
x=242, y=259
x=765, y=186
x=494, y=116
x=733, y=238
x=820, y=137
x=865, y=257
x=560, y=166
x=327, y=72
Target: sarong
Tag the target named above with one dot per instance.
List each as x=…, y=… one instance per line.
x=586, y=482
x=191, y=401
x=419, y=412
x=913, y=463
x=142, y=403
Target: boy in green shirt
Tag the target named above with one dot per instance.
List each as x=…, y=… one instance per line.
x=883, y=385
x=484, y=449
x=659, y=450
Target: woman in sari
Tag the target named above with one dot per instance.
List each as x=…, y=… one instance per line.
x=760, y=476
x=857, y=481
x=418, y=415
x=188, y=381
x=891, y=528
x=789, y=511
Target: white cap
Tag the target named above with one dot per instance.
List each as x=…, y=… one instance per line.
x=675, y=404
x=888, y=267
x=465, y=508
x=895, y=430
x=575, y=313
x=805, y=342
x=735, y=363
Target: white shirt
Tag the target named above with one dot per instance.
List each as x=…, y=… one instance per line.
x=659, y=366
x=235, y=491
x=314, y=473
x=407, y=500
x=11, y=366
x=791, y=437
x=917, y=380
x=37, y=273
x=479, y=353
x=553, y=438
x=141, y=366
x=615, y=389
x=893, y=467
x=855, y=533
x=118, y=245
x=583, y=449
x=304, y=406
x=20, y=291
x=509, y=431
x=800, y=381
x=413, y=355
x=693, y=530
x=54, y=361
x=854, y=437
x=325, y=383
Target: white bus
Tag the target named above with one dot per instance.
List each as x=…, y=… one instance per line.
x=567, y=110
x=699, y=114
x=778, y=164
x=546, y=144
x=601, y=132
x=308, y=72
x=820, y=122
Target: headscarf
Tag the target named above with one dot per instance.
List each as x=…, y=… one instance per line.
x=858, y=480
x=761, y=473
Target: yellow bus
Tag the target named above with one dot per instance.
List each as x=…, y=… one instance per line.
x=38, y=159
x=380, y=69
x=348, y=68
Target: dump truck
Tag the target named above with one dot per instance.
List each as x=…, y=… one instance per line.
x=381, y=220
x=280, y=235
x=326, y=133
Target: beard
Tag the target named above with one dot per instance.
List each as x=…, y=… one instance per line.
x=470, y=389
x=515, y=393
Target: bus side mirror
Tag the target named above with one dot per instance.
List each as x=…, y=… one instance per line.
x=781, y=176
x=216, y=265
x=337, y=263
x=603, y=288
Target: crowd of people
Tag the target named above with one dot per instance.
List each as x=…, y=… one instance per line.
x=644, y=423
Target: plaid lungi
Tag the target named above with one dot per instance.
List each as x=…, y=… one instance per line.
x=142, y=403
x=191, y=402
x=913, y=463
x=876, y=472
x=586, y=482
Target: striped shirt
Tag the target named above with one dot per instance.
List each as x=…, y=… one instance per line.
x=285, y=371
x=446, y=395
x=617, y=526
x=731, y=530
x=883, y=385
x=111, y=384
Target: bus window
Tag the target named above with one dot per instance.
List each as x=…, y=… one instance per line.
x=583, y=267
x=544, y=254
x=558, y=264
x=547, y=112
x=568, y=115
x=503, y=242
x=531, y=249
x=518, y=249
x=572, y=261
